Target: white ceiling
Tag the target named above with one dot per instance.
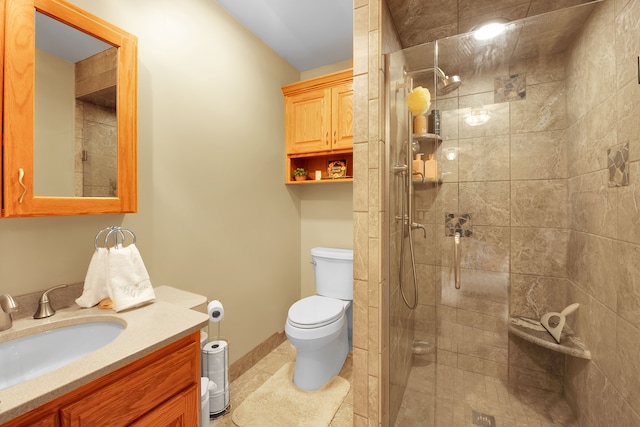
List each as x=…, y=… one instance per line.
x=306, y=33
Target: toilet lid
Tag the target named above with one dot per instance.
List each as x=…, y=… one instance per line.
x=315, y=311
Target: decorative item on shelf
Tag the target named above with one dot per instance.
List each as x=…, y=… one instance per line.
x=300, y=174
x=337, y=169
x=418, y=100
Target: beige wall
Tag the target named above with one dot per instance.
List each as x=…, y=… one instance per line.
x=54, y=135
x=214, y=216
x=326, y=69
x=326, y=213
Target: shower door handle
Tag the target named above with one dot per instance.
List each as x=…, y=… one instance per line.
x=456, y=260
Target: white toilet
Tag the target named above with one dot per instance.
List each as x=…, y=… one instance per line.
x=320, y=326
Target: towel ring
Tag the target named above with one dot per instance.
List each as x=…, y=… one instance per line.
x=117, y=234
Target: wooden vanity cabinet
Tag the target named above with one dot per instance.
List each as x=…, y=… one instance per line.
x=318, y=122
x=160, y=389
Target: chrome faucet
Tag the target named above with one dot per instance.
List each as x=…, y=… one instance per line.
x=9, y=306
x=44, y=307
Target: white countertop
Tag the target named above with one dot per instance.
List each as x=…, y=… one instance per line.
x=148, y=328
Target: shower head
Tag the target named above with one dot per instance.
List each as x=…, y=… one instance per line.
x=448, y=84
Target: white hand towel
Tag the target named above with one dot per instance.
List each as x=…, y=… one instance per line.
x=128, y=282
x=95, y=282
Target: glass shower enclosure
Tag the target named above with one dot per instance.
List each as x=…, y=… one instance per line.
x=468, y=246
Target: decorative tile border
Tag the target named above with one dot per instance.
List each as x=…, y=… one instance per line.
x=511, y=88
x=458, y=223
x=618, y=165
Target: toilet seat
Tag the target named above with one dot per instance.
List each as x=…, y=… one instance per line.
x=315, y=311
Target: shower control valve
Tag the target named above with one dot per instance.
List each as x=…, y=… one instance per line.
x=415, y=225
x=400, y=169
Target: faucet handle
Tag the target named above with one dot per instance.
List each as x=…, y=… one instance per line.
x=44, y=306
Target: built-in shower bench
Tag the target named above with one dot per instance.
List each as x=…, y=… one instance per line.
x=532, y=330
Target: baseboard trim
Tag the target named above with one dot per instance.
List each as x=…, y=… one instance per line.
x=243, y=364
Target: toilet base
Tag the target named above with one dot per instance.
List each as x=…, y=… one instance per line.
x=316, y=366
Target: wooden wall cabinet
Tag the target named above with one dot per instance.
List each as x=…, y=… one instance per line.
x=158, y=390
x=319, y=124
x=45, y=168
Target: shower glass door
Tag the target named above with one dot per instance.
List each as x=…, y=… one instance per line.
x=412, y=255
x=495, y=221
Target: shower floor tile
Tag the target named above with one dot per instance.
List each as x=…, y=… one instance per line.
x=459, y=393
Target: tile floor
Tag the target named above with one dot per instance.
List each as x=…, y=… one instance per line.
x=459, y=393
x=269, y=365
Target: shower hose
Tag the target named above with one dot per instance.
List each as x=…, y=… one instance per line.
x=406, y=222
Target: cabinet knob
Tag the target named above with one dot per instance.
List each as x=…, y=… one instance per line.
x=24, y=187
x=326, y=139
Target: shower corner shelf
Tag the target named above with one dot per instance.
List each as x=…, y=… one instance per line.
x=531, y=330
x=427, y=137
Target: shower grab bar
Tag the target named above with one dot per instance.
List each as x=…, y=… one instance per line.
x=456, y=260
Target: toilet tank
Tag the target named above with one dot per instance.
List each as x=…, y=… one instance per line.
x=333, y=270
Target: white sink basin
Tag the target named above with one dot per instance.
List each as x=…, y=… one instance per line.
x=28, y=357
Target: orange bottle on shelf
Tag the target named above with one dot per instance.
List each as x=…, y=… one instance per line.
x=431, y=168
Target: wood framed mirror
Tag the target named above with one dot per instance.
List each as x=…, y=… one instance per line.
x=69, y=112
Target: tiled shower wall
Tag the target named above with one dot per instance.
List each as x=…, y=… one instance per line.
x=588, y=255
x=370, y=317
x=603, y=99
x=509, y=175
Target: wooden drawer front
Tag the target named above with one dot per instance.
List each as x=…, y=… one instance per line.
x=122, y=402
x=179, y=411
x=42, y=418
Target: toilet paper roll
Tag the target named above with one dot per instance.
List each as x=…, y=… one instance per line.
x=216, y=355
x=215, y=311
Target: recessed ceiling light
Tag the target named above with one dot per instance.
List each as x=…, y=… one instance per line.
x=490, y=29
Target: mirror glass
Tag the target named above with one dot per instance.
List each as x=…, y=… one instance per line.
x=75, y=126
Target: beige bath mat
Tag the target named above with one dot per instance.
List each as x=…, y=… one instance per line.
x=279, y=403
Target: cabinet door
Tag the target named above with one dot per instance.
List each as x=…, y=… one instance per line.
x=45, y=172
x=308, y=121
x=342, y=116
x=179, y=411
x=126, y=400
